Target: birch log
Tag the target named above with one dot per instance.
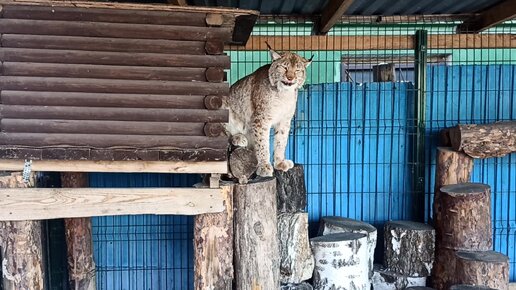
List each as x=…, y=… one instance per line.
x=483, y=141
x=334, y=224
x=409, y=248
x=20, y=243
x=486, y=268
x=384, y=279
x=256, y=242
x=340, y=262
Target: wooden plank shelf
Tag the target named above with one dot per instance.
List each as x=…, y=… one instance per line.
x=49, y=203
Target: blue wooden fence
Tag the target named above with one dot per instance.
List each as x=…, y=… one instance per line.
x=355, y=143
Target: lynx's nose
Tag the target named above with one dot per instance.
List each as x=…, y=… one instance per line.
x=290, y=78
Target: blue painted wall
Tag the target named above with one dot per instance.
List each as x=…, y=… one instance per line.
x=355, y=143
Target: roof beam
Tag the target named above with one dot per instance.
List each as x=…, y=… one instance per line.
x=503, y=11
x=331, y=14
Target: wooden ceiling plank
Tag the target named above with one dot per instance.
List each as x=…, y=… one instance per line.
x=501, y=12
x=331, y=14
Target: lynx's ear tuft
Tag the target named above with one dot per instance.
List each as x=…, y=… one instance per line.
x=274, y=55
x=309, y=61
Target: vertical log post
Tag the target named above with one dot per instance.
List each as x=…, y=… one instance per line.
x=79, y=243
x=256, y=242
x=213, y=247
x=20, y=242
x=384, y=72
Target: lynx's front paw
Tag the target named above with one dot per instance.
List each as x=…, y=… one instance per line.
x=264, y=170
x=284, y=165
x=239, y=140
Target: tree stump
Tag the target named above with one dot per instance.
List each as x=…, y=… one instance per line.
x=483, y=141
x=256, y=235
x=213, y=247
x=419, y=288
x=299, y=286
x=486, y=268
x=242, y=164
x=384, y=72
x=334, y=224
x=341, y=261
x=79, y=243
x=20, y=243
x=291, y=189
x=296, y=259
x=443, y=272
x=384, y=279
x=409, y=248
x=470, y=287
x=466, y=217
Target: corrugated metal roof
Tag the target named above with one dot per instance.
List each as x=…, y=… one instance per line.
x=359, y=7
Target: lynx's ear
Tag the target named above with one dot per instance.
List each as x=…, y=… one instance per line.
x=274, y=54
x=309, y=61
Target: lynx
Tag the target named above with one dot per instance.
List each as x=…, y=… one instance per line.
x=263, y=100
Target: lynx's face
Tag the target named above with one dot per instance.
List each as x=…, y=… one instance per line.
x=288, y=70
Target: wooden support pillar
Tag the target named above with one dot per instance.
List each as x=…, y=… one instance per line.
x=79, y=243
x=21, y=247
x=213, y=247
x=384, y=72
x=256, y=242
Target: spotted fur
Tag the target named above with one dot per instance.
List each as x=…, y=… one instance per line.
x=263, y=100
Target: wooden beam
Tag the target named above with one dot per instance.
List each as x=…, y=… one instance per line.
x=116, y=166
x=505, y=10
x=393, y=42
x=49, y=203
x=331, y=14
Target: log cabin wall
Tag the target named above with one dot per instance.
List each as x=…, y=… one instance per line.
x=83, y=83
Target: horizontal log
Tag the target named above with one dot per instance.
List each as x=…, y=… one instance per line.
x=395, y=42
x=112, y=72
x=103, y=127
x=16, y=83
x=112, y=58
x=103, y=15
x=484, y=140
x=113, y=114
x=110, y=44
x=51, y=203
x=197, y=155
x=117, y=166
x=112, y=141
x=118, y=30
x=102, y=100
x=213, y=129
x=213, y=102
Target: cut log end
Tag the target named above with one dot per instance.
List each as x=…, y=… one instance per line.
x=465, y=189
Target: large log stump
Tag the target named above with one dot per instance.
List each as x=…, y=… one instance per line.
x=466, y=217
x=256, y=242
x=419, y=288
x=79, y=243
x=340, y=261
x=409, y=248
x=297, y=262
x=291, y=189
x=213, y=247
x=333, y=224
x=486, y=268
x=297, y=286
x=20, y=243
x=483, y=141
x=384, y=279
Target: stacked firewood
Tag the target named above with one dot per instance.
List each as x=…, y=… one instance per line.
x=462, y=210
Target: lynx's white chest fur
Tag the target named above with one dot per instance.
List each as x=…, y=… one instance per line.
x=263, y=100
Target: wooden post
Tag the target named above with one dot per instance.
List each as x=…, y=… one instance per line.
x=452, y=168
x=256, y=242
x=486, y=268
x=340, y=262
x=483, y=141
x=213, y=247
x=469, y=287
x=20, y=243
x=79, y=243
x=384, y=72
x=466, y=217
x=334, y=224
x=291, y=189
